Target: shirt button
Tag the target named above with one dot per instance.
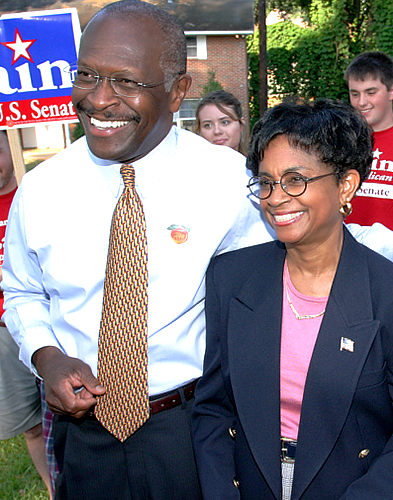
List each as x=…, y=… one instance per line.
x=236, y=483
x=364, y=453
x=232, y=432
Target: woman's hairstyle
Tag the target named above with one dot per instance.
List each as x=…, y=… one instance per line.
x=227, y=103
x=331, y=130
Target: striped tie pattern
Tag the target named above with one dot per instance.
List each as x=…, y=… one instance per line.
x=122, y=346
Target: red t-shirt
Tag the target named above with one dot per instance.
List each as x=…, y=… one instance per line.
x=374, y=200
x=5, y=203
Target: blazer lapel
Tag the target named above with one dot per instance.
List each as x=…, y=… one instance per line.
x=334, y=372
x=254, y=332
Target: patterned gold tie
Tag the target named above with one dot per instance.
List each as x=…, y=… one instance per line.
x=122, y=346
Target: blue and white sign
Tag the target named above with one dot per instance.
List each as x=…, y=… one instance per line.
x=35, y=50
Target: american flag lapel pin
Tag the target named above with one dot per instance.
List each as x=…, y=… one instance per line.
x=347, y=344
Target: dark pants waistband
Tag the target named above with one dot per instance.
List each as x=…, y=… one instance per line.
x=165, y=401
x=173, y=398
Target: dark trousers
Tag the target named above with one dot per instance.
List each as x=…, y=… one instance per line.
x=155, y=463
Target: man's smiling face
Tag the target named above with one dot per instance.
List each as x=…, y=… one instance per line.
x=123, y=128
x=372, y=98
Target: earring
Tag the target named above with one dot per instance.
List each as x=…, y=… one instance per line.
x=346, y=209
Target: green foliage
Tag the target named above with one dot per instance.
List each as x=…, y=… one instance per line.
x=309, y=60
x=253, y=77
x=77, y=132
x=18, y=477
x=295, y=7
x=382, y=25
x=211, y=85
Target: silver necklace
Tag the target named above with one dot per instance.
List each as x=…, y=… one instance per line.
x=297, y=315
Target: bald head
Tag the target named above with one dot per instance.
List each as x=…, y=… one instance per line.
x=173, y=60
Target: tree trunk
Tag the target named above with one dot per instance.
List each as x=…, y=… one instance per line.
x=262, y=57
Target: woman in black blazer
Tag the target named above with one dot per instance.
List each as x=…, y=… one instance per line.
x=296, y=397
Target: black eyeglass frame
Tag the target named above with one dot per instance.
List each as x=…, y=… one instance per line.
x=256, y=179
x=73, y=68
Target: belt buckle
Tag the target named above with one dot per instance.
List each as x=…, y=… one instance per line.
x=284, y=450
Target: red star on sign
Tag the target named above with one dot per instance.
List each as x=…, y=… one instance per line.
x=19, y=47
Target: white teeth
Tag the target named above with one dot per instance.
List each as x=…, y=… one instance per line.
x=103, y=125
x=286, y=217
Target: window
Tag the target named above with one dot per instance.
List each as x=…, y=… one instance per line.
x=185, y=117
x=192, y=50
x=196, y=47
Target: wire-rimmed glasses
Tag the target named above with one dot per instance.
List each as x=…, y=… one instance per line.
x=87, y=78
x=292, y=183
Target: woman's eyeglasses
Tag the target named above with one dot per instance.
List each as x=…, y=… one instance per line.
x=292, y=183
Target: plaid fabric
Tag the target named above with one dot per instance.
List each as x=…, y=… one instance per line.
x=287, y=479
x=47, y=418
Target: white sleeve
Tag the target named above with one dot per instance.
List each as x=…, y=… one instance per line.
x=26, y=303
x=377, y=237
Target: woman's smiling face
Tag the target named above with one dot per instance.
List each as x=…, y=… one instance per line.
x=311, y=217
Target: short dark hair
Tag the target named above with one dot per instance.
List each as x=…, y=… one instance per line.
x=222, y=99
x=376, y=64
x=331, y=130
x=173, y=61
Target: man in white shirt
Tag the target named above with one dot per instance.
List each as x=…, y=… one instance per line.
x=131, y=78
x=195, y=204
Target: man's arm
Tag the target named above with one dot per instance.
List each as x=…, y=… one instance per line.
x=69, y=383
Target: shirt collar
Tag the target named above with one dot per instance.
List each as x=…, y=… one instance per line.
x=110, y=171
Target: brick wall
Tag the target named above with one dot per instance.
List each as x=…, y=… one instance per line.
x=227, y=57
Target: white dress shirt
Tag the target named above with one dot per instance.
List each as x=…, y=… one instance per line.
x=57, y=241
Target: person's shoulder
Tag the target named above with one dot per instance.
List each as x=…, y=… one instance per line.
x=238, y=266
x=203, y=148
x=383, y=134
x=379, y=272
x=249, y=254
x=376, y=262
x=63, y=160
x=221, y=166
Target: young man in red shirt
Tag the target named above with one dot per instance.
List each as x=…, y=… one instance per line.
x=370, y=83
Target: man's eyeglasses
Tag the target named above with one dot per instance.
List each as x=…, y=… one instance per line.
x=86, y=78
x=292, y=183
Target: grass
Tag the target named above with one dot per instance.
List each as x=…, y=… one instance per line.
x=18, y=476
x=31, y=164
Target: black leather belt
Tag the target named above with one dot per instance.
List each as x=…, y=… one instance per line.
x=173, y=398
x=288, y=450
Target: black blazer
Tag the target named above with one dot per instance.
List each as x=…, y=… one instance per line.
x=345, y=444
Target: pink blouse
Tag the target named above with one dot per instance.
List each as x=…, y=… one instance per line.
x=298, y=337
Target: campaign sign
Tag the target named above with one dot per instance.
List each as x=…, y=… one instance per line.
x=35, y=50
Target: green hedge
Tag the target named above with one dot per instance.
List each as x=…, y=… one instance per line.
x=309, y=61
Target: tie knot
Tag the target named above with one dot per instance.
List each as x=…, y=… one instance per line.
x=128, y=173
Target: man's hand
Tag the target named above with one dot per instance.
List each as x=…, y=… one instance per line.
x=70, y=386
